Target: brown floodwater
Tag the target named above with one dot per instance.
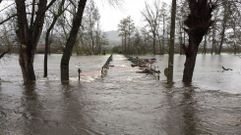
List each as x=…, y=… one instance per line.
x=123, y=102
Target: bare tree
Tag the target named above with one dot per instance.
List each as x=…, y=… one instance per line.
x=182, y=10
x=28, y=33
x=55, y=15
x=153, y=18
x=138, y=47
x=197, y=25
x=126, y=29
x=234, y=25
x=64, y=65
x=213, y=33
x=224, y=23
x=91, y=22
x=205, y=45
x=122, y=28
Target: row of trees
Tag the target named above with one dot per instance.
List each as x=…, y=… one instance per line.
x=218, y=22
x=224, y=35
x=73, y=25
x=29, y=17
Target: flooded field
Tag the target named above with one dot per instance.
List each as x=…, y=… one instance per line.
x=124, y=102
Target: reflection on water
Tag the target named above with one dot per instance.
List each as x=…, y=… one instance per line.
x=189, y=112
x=31, y=110
x=123, y=102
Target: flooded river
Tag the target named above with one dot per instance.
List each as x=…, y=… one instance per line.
x=123, y=102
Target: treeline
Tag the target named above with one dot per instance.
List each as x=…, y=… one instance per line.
x=57, y=24
x=153, y=37
x=75, y=26
x=70, y=25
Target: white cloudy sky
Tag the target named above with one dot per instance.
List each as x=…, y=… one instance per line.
x=111, y=15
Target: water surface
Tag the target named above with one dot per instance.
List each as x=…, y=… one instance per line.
x=123, y=102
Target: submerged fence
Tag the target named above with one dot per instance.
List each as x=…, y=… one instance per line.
x=105, y=67
x=146, y=65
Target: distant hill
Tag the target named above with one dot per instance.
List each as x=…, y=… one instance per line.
x=113, y=38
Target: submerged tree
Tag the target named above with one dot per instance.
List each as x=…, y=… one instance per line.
x=64, y=66
x=197, y=24
x=29, y=28
x=171, y=43
x=55, y=15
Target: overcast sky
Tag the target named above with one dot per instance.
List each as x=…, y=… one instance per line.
x=111, y=15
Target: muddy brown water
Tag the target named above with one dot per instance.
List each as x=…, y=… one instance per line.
x=123, y=102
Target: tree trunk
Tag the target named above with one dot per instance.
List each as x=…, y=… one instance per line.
x=171, y=45
x=92, y=42
x=180, y=41
x=46, y=56
x=64, y=66
x=235, y=48
x=46, y=51
x=122, y=44
x=154, y=44
x=26, y=59
x=98, y=44
x=28, y=36
x=214, y=49
x=224, y=25
x=47, y=42
x=163, y=35
x=125, y=44
x=198, y=22
x=205, y=45
x=190, y=63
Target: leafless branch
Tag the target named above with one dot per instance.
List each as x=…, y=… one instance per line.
x=3, y=54
x=7, y=19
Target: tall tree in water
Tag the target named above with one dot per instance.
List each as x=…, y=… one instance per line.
x=197, y=24
x=172, y=42
x=55, y=15
x=29, y=28
x=64, y=65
